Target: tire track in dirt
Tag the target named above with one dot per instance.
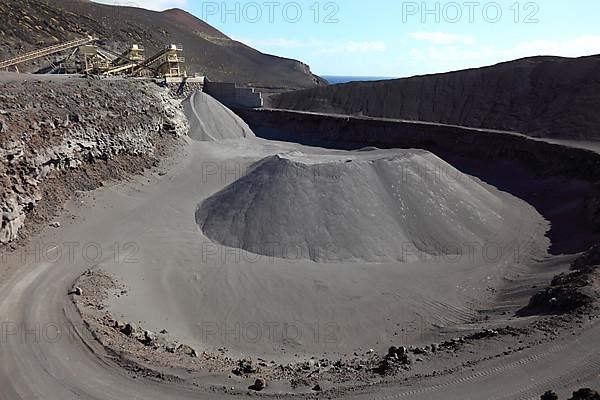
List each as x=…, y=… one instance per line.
x=588, y=367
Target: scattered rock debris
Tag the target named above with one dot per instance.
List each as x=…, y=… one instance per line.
x=245, y=367
x=570, y=292
x=77, y=291
x=138, y=346
x=259, y=385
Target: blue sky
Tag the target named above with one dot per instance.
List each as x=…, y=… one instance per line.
x=396, y=38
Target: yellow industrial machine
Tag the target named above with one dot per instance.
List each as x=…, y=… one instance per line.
x=128, y=62
x=168, y=62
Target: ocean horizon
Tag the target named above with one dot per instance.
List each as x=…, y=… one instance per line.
x=336, y=79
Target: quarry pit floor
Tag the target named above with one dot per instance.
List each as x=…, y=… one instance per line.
x=214, y=297
x=324, y=308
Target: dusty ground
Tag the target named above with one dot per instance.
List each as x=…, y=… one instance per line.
x=463, y=334
x=147, y=353
x=141, y=258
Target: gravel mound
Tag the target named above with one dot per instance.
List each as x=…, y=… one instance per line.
x=211, y=121
x=366, y=207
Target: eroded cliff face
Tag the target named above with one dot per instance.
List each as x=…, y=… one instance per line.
x=62, y=134
x=541, y=96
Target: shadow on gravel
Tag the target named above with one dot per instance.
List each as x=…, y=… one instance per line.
x=560, y=199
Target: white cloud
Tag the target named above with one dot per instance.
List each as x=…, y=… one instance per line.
x=442, y=37
x=158, y=5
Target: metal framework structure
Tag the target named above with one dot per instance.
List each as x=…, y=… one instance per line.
x=92, y=59
x=168, y=62
x=46, y=52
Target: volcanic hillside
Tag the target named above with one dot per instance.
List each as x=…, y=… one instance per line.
x=541, y=96
x=30, y=24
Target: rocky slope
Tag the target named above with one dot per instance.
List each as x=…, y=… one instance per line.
x=60, y=134
x=570, y=292
x=541, y=96
x=30, y=24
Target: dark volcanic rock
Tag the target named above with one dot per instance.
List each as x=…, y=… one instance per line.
x=585, y=394
x=259, y=384
x=77, y=291
x=245, y=367
x=396, y=358
x=540, y=96
x=130, y=329
x=572, y=291
x=549, y=395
